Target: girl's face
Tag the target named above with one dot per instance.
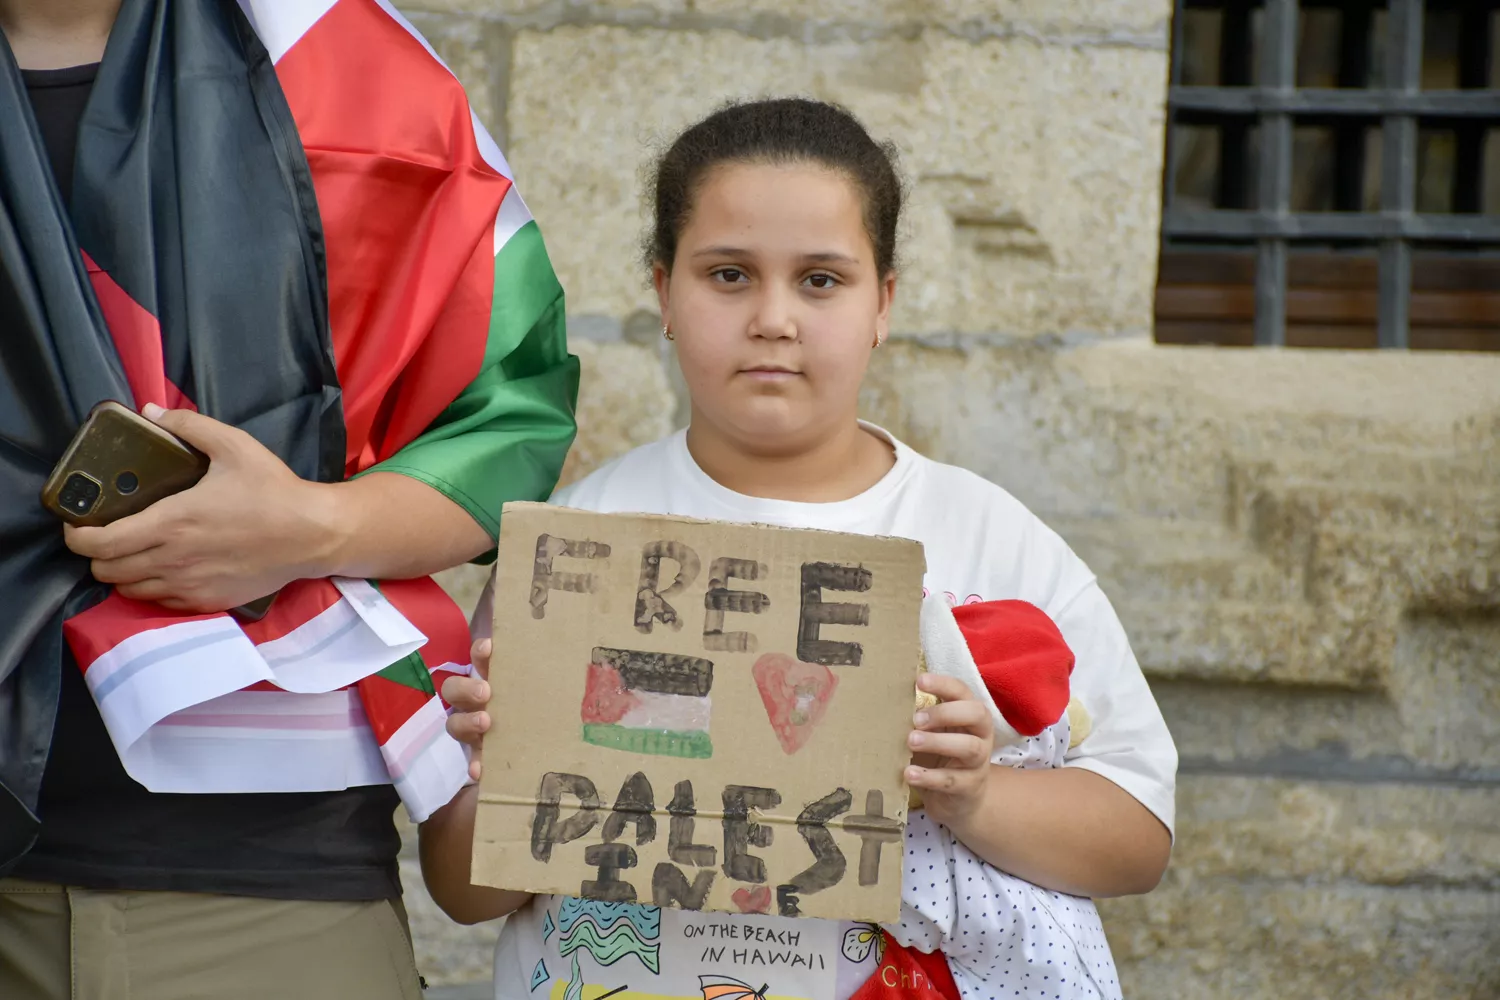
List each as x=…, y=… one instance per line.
x=775, y=303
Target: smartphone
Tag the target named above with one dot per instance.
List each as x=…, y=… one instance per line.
x=118, y=464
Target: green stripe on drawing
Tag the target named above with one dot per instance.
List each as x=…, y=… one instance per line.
x=662, y=742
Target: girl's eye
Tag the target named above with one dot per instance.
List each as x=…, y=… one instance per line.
x=821, y=281
x=731, y=275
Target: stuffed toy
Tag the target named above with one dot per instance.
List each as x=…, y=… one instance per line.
x=997, y=935
x=1013, y=657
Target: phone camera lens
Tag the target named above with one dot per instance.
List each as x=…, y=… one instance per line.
x=126, y=482
x=79, y=494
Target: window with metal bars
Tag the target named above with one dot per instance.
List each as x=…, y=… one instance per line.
x=1333, y=175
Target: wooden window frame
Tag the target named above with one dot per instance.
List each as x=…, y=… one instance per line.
x=1251, y=271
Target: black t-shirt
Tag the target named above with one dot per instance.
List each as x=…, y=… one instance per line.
x=58, y=97
x=102, y=830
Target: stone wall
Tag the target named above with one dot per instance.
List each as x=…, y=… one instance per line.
x=1304, y=546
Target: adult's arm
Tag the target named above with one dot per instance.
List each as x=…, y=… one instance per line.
x=251, y=525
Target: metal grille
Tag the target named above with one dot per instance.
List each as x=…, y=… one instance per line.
x=1254, y=107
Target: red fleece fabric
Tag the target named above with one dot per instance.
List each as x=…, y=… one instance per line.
x=908, y=974
x=1023, y=659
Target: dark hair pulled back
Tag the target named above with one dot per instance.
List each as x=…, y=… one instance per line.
x=781, y=130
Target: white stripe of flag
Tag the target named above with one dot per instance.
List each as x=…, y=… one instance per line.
x=427, y=765
x=260, y=741
x=282, y=23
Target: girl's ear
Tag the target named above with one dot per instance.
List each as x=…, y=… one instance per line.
x=661, y=279
x=887, y=299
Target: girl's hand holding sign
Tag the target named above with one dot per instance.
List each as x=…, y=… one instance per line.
x=951, y=744
x=469, y=697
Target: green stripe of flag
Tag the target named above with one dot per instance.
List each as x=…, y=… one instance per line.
x=410, y=671
x=506, y=435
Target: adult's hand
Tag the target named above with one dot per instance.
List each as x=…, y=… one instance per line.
x=251, y=526
x=246, y=529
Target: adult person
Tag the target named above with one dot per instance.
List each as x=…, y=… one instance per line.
x=278, y=230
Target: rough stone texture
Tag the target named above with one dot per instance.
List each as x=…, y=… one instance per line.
x=1139, y=22
x=1283, y=889
x=1028, y=219
x=1305, y=550
x=1304, y=546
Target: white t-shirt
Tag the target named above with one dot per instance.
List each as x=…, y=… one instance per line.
x=999, y=932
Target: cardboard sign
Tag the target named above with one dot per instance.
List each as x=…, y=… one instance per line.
x=701, y=715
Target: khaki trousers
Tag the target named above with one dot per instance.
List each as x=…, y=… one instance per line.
x=60, y=943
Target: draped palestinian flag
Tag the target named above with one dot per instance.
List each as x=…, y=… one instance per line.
x=446, y=329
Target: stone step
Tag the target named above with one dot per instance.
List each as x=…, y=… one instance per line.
x=1168, y=559
x=1249, y=641
x=1329, y=889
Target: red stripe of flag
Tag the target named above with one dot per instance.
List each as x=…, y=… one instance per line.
x=137, y=337
x=92, y=633
x=388, y=704
x=298, y=603
x=408, y=207
x=432, y=611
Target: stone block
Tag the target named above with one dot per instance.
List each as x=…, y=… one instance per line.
x=1194, y=940
x=478, y=53
x=1332, y=890
x=1139, y=22
x=626, y=399
x=1038, y=216
x=1264, y=519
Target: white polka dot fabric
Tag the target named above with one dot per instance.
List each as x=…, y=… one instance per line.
x=1003, y=937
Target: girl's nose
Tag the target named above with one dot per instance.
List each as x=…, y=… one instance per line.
x=773, y=319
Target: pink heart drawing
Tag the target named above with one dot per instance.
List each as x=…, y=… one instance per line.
x=757, y=900
x=796, y=695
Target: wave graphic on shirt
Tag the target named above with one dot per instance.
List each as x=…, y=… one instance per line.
x=609, y=932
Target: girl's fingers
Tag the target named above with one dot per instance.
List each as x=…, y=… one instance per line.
x=970, y=715
x=466, y=694
x=946, y=688
x=946, y=780
x=480, y=653
x=962, y=749
x=469, y=727
x=476, y=768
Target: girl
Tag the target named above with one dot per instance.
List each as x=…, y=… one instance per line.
x=773, y=255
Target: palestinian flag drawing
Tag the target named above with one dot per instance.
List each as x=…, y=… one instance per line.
x=650, y=703
x=415, y=327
